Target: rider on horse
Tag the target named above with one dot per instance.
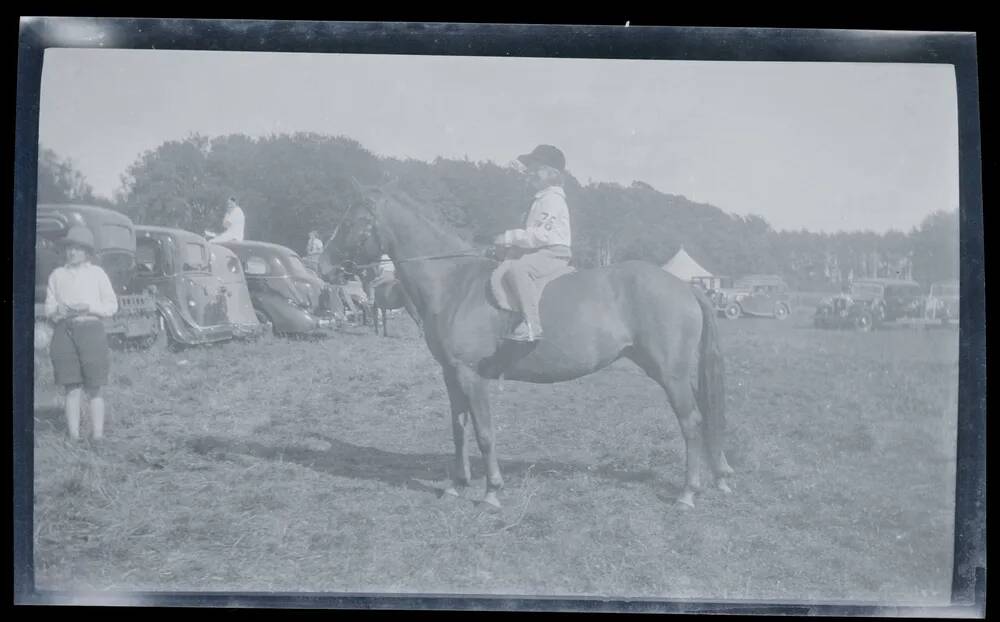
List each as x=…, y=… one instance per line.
x=542, y=247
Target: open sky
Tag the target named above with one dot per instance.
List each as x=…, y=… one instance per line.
x=820, y=146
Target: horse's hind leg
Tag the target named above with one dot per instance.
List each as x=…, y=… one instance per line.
x=682, y=400
x=460, y=473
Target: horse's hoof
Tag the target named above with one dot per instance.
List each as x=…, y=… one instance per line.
x=723, y=486
x=449, y=493
x=491, y=500
x=686, y=500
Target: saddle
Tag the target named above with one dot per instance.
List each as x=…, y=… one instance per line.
x=499, y=294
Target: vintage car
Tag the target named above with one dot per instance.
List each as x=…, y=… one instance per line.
x=942, y=302
x=228, y=270
x=136, y=323
x=197, y=304
x=287, y=296
x=760, y=295
x=870, y=303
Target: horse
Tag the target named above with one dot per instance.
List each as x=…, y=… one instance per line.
x=388, y=294
x=591, y=317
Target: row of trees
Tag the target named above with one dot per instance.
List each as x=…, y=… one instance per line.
x=290, y=184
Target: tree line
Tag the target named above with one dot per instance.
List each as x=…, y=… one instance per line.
x=290, y=184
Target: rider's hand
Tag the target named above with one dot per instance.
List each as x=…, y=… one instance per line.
x=500, y=240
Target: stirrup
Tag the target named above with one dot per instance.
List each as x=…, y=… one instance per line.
x=524, y=332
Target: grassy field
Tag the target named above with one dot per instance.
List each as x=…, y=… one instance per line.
x=315, y=466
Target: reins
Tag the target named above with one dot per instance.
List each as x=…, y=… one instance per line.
x=470, y=252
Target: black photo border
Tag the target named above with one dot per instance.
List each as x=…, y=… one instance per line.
x=544, y=41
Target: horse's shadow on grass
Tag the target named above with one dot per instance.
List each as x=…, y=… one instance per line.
x=410, y=471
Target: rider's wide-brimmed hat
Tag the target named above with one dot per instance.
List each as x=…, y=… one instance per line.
x=545, y=155
x=79, y=235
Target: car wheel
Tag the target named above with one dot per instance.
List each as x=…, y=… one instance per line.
x=863, y=321
x=159, y=333
x=733, y=311
x=781, y=311
x=172, y=344
x=266, y=322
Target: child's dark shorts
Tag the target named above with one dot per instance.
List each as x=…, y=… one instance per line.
x=80, y=353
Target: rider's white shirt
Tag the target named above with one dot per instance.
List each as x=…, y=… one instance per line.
x=547, y=223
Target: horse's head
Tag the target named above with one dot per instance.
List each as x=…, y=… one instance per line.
x=355, y=239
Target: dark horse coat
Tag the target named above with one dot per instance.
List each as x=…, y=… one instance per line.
x=591, y=318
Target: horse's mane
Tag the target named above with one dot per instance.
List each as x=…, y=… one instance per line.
x=426, y=215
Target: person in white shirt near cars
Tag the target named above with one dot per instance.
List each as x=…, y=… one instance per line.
x=79, y=295
x=234, y=223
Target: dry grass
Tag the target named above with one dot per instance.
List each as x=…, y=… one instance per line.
x=314, y=466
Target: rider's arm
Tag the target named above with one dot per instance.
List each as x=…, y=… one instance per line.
x=547, y=225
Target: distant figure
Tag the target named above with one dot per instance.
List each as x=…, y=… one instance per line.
x=315, y=245
x=78, y=296
x=233, y=222
x=386, y=271
x=314, y=248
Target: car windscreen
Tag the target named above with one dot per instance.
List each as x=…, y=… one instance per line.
x=297, y=268
x=195, y=257
x=116, y=236
x=944, y=291
x=866, y=290
x=902, y=291
x=255, y=266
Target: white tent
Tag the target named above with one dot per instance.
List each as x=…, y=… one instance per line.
x=684, y=267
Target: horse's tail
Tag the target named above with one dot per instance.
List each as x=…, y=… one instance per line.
x=711, y=393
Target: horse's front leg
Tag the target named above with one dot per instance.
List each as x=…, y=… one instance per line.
x=414, y=315
x=460, y=473
x=475, y=388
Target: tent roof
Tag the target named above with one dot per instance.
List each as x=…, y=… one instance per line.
x=684, y=267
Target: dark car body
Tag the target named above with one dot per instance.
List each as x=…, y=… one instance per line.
x=870, y=303
x=114, y=239
x=285, y=294
x=193, y=301
x=760, y=295
x=942, y=302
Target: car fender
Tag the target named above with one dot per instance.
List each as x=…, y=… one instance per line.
x=286, y=317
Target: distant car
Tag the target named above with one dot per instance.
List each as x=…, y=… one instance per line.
x=870, y=303
x=199, y=301
x=942, y=302
x=286, y=295
x=761, y=295
x=711, y=284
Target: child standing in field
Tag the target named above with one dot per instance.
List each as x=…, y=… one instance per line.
x=78, y=296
